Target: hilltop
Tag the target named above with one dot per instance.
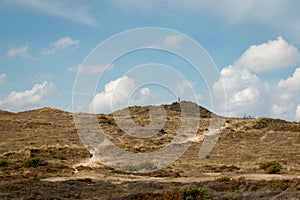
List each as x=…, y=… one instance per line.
x=42, y=156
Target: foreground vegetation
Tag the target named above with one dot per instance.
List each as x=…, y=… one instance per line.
x=43, y=158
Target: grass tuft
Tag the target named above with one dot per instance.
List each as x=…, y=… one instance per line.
x=271, y=167
x=34, y=162
x=3, y=163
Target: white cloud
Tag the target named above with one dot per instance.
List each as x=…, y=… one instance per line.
x=71, y=10
x=283, y=110
x=61, y=44
x=272, y=55
x=2, y=78
x=145, y=91
x=16, y=101
x=184, y=87
x=65, y=42
x=298, y=113
x=245, y=92
x=117, y=94
x=245, y=96
x=291, y=84
x=173, y=40
x=170, y=41
x=89, y=69
x=286, y=97
x=21, y=51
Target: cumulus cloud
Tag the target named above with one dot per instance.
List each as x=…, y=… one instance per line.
x=272, y=55
x=21, y=51
x=117, y=94
x=145, y=91
x=2, y=78
x=291, y=84
x=247, y=94
x=298, y=113
x=16, y=101
x=90, y=69
x=244, y=91
x=283, y=110
x=286, y=97
x=61, y=44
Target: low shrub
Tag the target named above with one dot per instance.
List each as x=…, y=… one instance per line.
x=183, y=194
x=148, y=166
x=33, y=162
x=60, y=156
x=282, y=185
x=111, y=121
x=3, y=163
x=194, y=194
x=271, y=167
x=224, y=179
x=131, y=168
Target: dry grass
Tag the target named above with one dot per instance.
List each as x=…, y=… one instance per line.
x=50, y=135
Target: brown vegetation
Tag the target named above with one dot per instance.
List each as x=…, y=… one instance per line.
x=41, y=156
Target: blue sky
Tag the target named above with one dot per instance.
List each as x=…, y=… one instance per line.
x=254, y=45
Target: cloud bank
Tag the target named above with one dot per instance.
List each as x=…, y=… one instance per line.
x=117, y=94
x=271, y=55
x=247, y=94
x=27, y=99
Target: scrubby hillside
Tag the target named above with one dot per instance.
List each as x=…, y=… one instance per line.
x=41, y=156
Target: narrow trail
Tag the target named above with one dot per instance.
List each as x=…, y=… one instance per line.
x=119, y=178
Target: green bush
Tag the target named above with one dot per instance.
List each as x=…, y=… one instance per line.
x=3, y=163
x=194, y=194
x=148, y=166
x=131, y=168
x=33, y=162
x=224, y=179
x=271, y=167
x=282, y=185
x=142, y=166
x=60, y=156
x=111, y=121
x=176, y=194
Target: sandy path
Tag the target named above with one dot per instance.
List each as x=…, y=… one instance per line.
x=119, y=178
